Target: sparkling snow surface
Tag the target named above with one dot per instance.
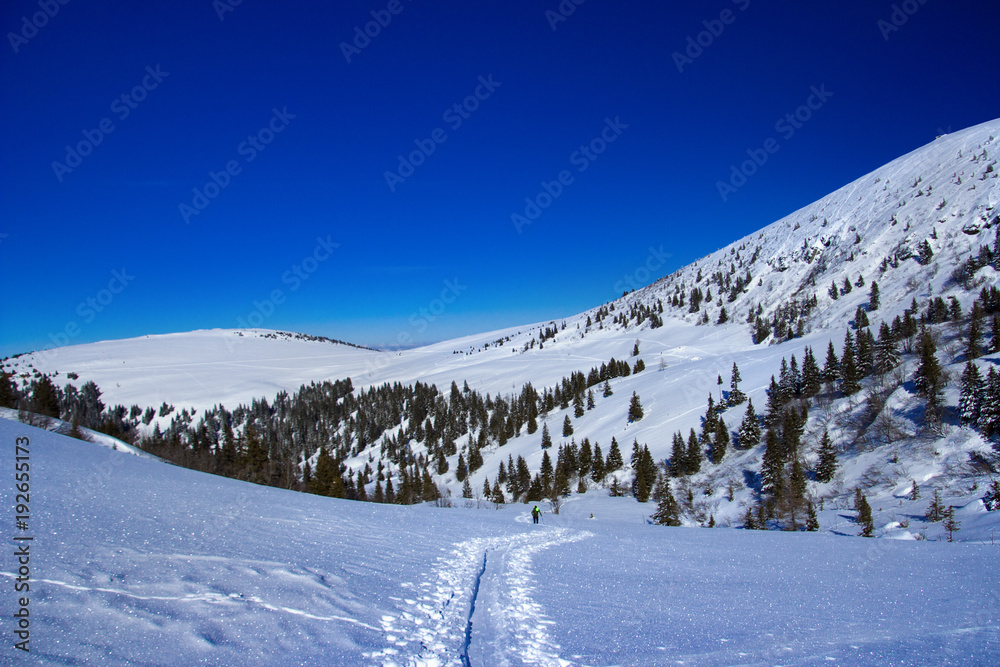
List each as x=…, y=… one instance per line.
x=135, y=561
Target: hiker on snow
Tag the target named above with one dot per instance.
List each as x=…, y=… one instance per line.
x=535, y=513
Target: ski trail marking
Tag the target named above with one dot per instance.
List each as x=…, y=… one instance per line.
x=434, y=627
x=521, y=618
x=430, y=631
x=472, y=610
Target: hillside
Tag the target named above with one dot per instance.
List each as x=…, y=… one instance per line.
x=197, y=569
x=911, y=226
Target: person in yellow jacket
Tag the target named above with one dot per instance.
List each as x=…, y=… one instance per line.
x=535, y=513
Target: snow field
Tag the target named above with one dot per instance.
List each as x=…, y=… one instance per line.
x=165, y=566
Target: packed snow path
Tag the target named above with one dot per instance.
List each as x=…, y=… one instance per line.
x=475, y=607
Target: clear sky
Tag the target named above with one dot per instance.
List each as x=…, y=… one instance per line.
x=169, y=166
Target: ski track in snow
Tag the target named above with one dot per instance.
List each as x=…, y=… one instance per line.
x=436, y=627
x=522, y=620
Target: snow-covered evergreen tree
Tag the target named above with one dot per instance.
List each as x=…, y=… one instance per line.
x=826, y=467
x=749, y=433
x=970, y=394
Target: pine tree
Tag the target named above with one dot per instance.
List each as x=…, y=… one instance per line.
x=826, y=467
x=749, y=433
x=597, y=470
x=873, y=297
x=497, y=496
x=735, y=395
x=865, y=360
x=8, y=393
x=614, y=461
x=935, y=511
x=951, y=524
x=989, y=414
x=929, y=378
x=462, y=469
x=586, y=459
x=849, y=375
x=644, y=475
x=971, y=394
x=523, y=475
x=924, y=253
x=831, y=368
x=812, y=378
x=591, y=403
x=694, y=455
x=475, y=458
x=992, y=498
x=45, y=397
x=775, y=404
x=812, y=521
x=720, y=441
x=546, y=438
x=860, y=318
x=865, y=519
x=635, y=408
x=668, y=511
x=607, y=389
x=442, y=462
x=772, y=467
x=326, y=479
x=256, y=459
x=567, y=429
x=886, y=353
x=973, y=347
x=547, y=474
x=578, y=409
x=532, y=422
x=678, y=455
x=467, y=489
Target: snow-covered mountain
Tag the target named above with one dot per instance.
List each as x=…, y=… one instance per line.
x=945, y=194
x=142, y=562
x=907, y=226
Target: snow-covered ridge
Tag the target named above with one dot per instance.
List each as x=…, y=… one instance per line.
x=945, y=193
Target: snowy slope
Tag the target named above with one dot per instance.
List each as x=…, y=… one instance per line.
x=945, y=193
x=198, y=569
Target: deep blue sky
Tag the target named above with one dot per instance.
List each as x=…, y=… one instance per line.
x=323, y=175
